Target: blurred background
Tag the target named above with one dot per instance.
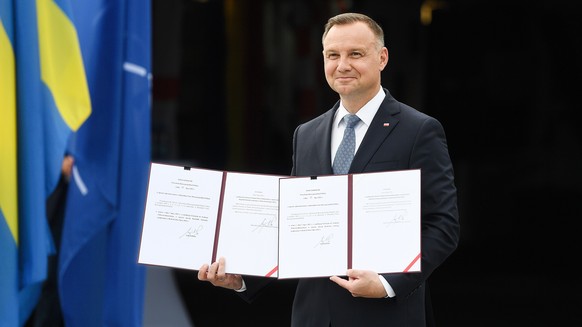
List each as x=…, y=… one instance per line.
x=233, y=78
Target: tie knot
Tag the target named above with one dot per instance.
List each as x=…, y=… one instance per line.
x=351, y=120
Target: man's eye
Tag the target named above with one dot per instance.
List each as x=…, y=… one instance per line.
x=356, y=54
x=332, y=56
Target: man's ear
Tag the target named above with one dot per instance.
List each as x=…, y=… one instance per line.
x=384, y=56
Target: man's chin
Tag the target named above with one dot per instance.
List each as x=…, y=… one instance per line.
x=344, y=89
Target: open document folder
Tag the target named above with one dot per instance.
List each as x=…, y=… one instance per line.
x=194, y=216
x=329, y=224
x=280, y=226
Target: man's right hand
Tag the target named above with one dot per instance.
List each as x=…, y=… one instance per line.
x=216, y=276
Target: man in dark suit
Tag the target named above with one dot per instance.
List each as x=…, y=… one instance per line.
x=389, y=135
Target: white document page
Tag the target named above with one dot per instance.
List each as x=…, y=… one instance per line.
x=249, y=224
x=180, y=216
x=386, y=221
x=313, y=226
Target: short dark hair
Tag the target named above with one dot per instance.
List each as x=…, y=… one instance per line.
x=350, y=18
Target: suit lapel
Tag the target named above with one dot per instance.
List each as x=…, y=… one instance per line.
x=323, y=137
x=382, y=125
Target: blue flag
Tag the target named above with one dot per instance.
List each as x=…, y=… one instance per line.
x=48, y=95
x=100, y=282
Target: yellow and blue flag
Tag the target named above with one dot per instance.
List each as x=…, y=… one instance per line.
x=100, y=281
x=8, y=172
x=44, y=97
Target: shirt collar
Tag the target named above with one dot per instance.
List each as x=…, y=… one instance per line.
x=366, y=113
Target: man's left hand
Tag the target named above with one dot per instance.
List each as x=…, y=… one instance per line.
x=361, y=283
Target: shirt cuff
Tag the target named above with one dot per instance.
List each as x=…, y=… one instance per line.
x=387, y=287
x=243, y=288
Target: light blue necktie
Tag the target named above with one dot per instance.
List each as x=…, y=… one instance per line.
x=345, y=151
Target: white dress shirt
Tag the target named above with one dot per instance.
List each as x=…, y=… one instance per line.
x=366, y=114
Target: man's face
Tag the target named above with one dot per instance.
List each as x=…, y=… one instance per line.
x=353, y=61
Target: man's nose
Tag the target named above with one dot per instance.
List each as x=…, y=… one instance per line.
x=343, y=64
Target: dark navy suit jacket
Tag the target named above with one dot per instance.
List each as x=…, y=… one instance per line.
x=399, y=137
